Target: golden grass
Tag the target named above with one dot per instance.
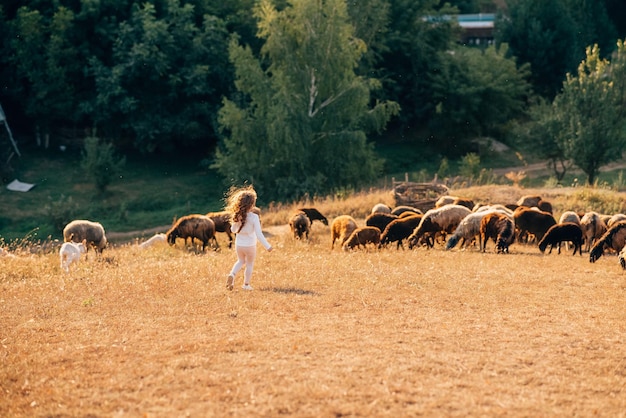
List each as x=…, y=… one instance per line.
x=368, y=333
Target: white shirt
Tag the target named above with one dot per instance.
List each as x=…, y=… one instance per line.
x=250, y=232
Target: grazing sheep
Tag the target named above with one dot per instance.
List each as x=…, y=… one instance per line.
x=341, y=228
x=438, y=221
x=500, y=228
x=381, y=208
x=529, y=201
x=606, y=218
x=468, y=203
x=91, y=232
x=545, y=206
x=400, y=229
x=445, y=200
x=622, y=257
x=361, y=237
x=314, y=215
x=155, y=239
x=568, y=232
x=618, y=217
x=469, y=228
x=70, y=253
x=613, y=239
x=193, y=226
x=222, y=224
x=300, y=225
x=399, y=210
x=569, y=216
x=593, y=228
x=380, y=220
x=532, y=221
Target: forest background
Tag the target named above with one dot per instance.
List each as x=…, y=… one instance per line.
x=305, y=98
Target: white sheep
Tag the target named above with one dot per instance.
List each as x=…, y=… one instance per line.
x=70, y=252
x=469, y=228
x=569, y=216
x=155, y=239
x=593, y=228
x=618, y=217
x=438, y=221
x=381, y=208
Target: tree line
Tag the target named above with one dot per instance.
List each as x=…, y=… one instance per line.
x=289, y=94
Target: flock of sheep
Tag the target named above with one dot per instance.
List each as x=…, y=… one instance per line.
x=456, y=220
x=453, y=221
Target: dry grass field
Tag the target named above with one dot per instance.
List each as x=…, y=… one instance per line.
x=325, y=333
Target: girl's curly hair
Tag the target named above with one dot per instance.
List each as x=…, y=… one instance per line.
x=239, y=202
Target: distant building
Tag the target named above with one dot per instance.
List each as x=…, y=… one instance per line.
x=477, y=28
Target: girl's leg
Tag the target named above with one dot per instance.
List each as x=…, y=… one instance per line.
x=250, y=255
x=241, y=261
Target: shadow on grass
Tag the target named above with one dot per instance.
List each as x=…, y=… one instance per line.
x=293, y=290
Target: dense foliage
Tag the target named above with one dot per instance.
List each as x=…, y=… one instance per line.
x=166, y=75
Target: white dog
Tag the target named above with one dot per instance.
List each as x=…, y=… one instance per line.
x=70, y=252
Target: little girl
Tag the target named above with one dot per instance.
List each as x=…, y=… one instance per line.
x=247, y=227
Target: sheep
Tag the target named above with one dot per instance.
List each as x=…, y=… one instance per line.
x=593, y=228
x=381, y=208
x=615, y=219
x=621, y=257
x=399, y=210
x=300, y=225
x=361, y=237
x=468, y=203
x=545, y=206
x=400, y=229
x=92, y=232
x=529, y=201
x=193, y=226
x=469, y=228
x=155, y=239
x=70, y=253
x=341, y=228
x=314, y=215
x=222, y=224
x=567, y=231
x=380, y=220
x=569, y=216
x=614, y=239
x=440, y=220
x=532, y=221
x=500, y=228
x=445, y=200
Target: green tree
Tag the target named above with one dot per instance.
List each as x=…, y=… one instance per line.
x=166, y=79
x=590, y=112
x=477, y=92
x=100, y=162
x=299, y=124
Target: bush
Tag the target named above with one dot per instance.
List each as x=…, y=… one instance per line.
x=100, y=162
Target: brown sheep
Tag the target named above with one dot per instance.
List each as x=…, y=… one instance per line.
x=379, y=220
x=445, y=200
x=361, y=237
x=500, y=228
x=468, y=203
x=92, y=232
x=532, y=221
x=300, y=225
x=222, y=224
x=545, y=206
x=341, y=228
x=593, y=228
x=193, y=226
x=614, y=239
x=618, y=217
x=443, y=220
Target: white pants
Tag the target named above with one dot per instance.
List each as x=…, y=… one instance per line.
x=245, y=256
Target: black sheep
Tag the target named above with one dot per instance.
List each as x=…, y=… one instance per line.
x=566, y=231
x=532, y=221
x=399, y=230
x=380, y=220
x=314, y=215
